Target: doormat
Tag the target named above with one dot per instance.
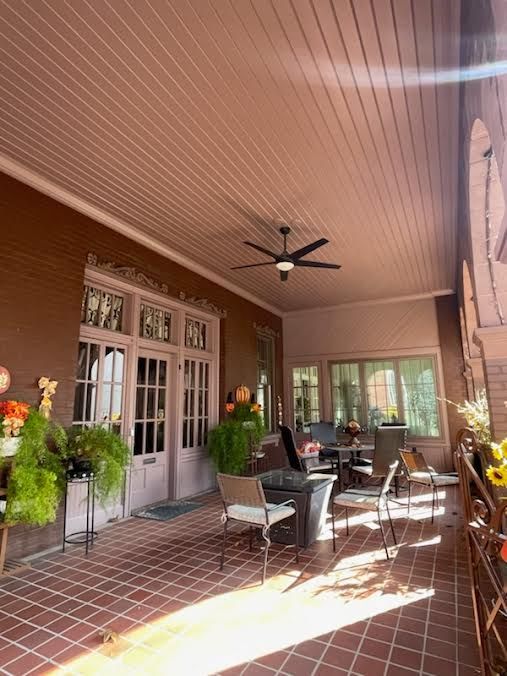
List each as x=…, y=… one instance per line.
x=169, y=510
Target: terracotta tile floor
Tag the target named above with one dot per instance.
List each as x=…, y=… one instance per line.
x=158, y=586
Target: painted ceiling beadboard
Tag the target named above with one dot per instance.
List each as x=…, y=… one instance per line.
x=191, y=124
x=384, y=327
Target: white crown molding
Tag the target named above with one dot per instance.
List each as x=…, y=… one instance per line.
x=373, y=301
x=34, y=180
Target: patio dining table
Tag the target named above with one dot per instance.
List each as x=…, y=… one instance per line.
x=338, y=449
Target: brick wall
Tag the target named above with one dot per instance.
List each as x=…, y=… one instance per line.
x=44, y=245
x=452, y=359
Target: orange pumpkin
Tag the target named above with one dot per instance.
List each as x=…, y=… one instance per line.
x=242, y=394
x=229, y=407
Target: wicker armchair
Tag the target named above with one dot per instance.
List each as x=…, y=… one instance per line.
x=244, y=502
x=418, y=472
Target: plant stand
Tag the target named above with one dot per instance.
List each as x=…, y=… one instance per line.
x=8, y=566
x=88, y=535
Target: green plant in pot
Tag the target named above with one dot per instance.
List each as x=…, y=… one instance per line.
x=101, y=451
x=230, y=441
x=37, y=477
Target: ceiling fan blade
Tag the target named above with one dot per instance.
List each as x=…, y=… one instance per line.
x=253, y=265
x=284, y=275
x=308, y=249
x=262, y=250
x=316, y=264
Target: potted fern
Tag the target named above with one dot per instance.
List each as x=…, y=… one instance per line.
x=230, y=441
x=104, y=453
x=37, y=478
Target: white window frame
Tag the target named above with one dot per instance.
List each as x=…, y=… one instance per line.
x=395, y=359
x=291, y=395
x=273, y=413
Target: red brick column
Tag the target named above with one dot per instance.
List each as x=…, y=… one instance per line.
x=493, y=343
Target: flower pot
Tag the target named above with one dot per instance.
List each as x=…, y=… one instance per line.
x=9, y=446
x=80, y=465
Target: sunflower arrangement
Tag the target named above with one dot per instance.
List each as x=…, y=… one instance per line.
x=497, y=474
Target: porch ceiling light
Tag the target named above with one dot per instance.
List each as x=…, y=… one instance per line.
x=284, y=266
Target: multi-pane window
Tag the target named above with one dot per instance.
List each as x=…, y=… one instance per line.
x=305, y=397
x=346, y=393
x=381, y=393
x=101, y=308
x=265, y=380
x=150, y=412
x=154, y=323
x=196, y=334
x=196, y=403
x=419, y=396
x=387, y=391
x=99, y=385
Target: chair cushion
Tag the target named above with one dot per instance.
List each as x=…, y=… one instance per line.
x=363, y=469
x=357, y=498
x=257, y=515
x=429, y=478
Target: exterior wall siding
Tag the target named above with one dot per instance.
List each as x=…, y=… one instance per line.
x=452, y=359
x=484, y=24
x=45, y=245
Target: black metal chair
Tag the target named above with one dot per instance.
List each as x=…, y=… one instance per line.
x=296, y=461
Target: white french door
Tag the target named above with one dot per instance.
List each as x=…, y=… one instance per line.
x=151, y=428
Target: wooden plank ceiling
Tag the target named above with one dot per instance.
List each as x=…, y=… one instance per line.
x=195, y=123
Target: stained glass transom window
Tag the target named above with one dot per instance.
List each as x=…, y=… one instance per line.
x=102, y=308
x=154, y=323
x=196, y=334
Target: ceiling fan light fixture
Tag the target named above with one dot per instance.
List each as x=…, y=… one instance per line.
x=284, y=266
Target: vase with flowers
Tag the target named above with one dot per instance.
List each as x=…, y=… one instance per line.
x=13, y=415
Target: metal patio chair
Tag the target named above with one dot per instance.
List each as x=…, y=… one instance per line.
x=418, y=472
x=388, y=442
x=367, y=499
x=244, y=502
x=297, y=462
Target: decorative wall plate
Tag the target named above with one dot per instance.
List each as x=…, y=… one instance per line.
x=5, y=379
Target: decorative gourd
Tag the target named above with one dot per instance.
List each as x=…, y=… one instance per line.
x=242, y=394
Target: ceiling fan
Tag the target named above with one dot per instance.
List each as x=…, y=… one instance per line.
x=287, y=261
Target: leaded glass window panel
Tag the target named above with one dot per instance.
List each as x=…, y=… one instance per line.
x=101, y=308
x=196, y=334
x=154, y=323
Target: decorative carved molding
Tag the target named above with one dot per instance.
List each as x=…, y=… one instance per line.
x=267, y=330
x=127, y=272
x=204, y=304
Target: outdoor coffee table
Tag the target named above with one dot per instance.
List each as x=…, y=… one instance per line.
x=311, y=492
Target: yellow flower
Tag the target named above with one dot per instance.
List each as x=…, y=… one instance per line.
x=497, y=475
x=500, y=450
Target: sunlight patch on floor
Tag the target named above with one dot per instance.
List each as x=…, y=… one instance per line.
x=241, y=625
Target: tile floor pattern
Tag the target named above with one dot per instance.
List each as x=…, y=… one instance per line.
x=158, y=586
